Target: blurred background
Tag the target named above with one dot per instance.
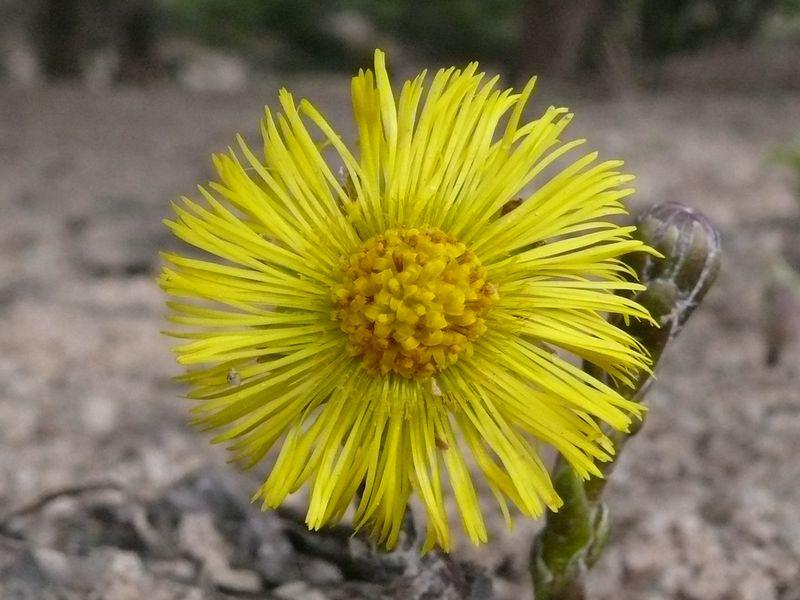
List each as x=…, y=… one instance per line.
x=110, y=109
x=611, y=44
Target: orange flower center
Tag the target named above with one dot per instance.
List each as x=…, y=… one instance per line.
x=412, y=301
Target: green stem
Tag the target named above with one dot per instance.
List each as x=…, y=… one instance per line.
x=573, y=538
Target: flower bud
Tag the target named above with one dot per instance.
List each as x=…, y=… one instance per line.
x=677, y=282
x=691, y=248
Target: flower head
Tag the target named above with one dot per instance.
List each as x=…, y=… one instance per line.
x=380, y=325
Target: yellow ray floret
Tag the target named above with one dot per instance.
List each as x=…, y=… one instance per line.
x=387, y=320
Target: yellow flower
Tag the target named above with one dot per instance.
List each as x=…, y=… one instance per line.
x=382, y=323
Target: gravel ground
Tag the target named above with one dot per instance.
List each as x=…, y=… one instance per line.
x=705, y=499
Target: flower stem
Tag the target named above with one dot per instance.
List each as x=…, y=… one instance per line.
x=573, y=538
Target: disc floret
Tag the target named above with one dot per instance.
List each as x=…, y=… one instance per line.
x=412, y=301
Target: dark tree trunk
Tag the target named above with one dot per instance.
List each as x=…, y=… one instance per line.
x=138, y=57
x=58, y=38
x=554, y=36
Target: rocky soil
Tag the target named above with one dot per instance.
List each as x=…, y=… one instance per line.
x=106, y=493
